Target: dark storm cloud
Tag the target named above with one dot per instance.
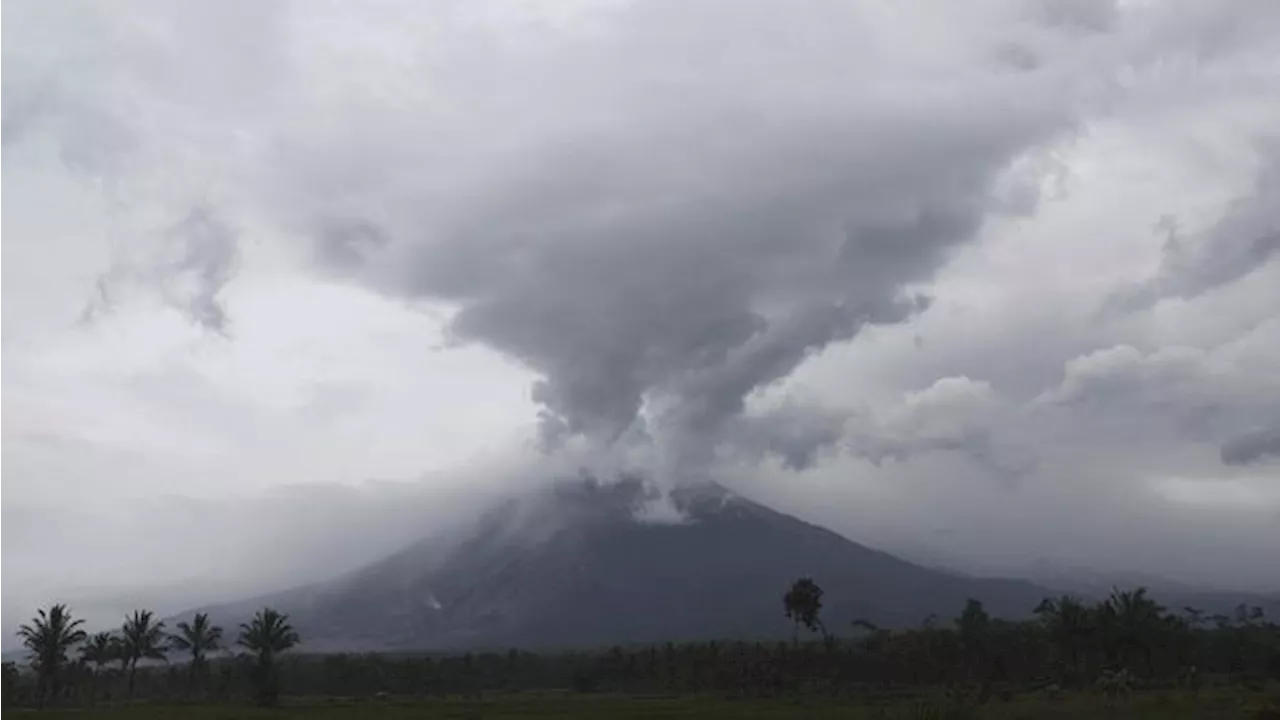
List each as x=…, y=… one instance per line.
x=664, y=209
x=693, y=307
x=658, y=272
x=1251, y=448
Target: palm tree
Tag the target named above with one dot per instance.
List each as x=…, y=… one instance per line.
x=266, y=636
x=142, y=639
x=198, y=638
x=49, y=636
x=1070, y=624
x=119, y=653
x=1134, y=622
x=98, y=650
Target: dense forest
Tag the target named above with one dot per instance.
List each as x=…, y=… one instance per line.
x=1127, y=641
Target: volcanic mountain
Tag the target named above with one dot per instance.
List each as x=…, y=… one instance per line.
x=593, y=564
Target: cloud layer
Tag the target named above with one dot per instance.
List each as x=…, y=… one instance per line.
x=995, y=276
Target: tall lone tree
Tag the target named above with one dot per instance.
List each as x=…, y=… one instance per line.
x=198, y=638
x=142, y=638
x=267, y=636
x=48, y=637
x=803, y=604
x=973, y=627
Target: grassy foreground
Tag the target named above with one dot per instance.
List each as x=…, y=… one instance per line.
x=1217, y=703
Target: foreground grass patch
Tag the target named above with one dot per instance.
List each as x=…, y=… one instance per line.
x=1221, y=703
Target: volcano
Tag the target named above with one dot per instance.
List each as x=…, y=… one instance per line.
x=593, y=564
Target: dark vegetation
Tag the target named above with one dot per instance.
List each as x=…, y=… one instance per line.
x=1070, y=654
x=56, y=678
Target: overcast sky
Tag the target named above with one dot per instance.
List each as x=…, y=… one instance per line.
x=286, y=285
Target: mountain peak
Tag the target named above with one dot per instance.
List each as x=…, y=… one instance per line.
x=636, y=498
x=600, y=563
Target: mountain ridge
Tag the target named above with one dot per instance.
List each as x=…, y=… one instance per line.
x=596, y=564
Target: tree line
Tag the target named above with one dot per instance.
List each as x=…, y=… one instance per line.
x=53, y=634
x=1123, y=641
x=1127, y=638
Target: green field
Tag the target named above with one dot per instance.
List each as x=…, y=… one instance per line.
x=1218, y=703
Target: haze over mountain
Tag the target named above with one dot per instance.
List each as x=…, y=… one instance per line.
x=591, y=564
x=994, y=278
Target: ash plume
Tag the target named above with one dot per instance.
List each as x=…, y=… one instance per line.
x=660, y=249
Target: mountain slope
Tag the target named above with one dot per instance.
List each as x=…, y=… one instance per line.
x=577, y=568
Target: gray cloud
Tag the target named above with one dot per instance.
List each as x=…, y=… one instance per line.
x=863, y=242
x=1084, y=15
x=692, y=238
x=656, y=278
x=1122, y=439
x=200, y=255
x=796, y=434
x=346, y=244
x=1246, y=238
x=954, y=415
x=1251, y=448
x=206, y=264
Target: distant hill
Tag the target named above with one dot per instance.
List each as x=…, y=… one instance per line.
x=577, y=568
